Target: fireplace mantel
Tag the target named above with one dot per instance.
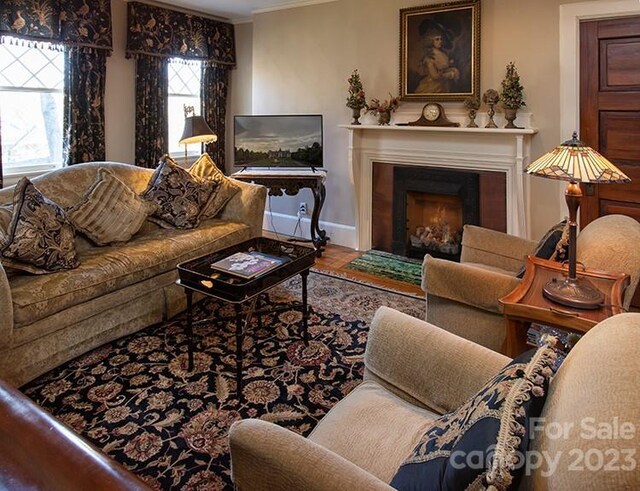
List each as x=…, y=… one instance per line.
x=481, y=149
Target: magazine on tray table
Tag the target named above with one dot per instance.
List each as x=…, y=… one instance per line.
x=248, y=264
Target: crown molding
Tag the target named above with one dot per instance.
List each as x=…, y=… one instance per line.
x=291, y=4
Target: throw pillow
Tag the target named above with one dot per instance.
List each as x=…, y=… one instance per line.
x=179, y=196
x=479, y=445
x=39, y=238
x=552, y=246
x=109, y=211
x=205, y=168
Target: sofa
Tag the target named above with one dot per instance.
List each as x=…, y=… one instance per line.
x=415, y=372
x=463, y=297
x=48, y=319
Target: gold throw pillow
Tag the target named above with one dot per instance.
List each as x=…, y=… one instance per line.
x=205, y=169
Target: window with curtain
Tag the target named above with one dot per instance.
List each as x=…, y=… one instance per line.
x=184, y=89
x=31, y=106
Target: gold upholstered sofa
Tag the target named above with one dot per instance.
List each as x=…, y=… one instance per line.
x=48, y=319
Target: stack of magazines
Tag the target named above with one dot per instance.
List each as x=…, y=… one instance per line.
x=248, y=264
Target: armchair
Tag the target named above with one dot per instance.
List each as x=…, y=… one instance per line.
x=463, y=297
x=415, y=371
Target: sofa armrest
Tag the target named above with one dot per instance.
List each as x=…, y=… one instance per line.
x=247, y=206
x=430, y=365
x=38, y=452
x=466, y=283
x=497, y=249
x=265, y=456
x=6, y=309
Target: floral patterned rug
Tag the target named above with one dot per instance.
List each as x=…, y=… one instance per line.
x=134, y=398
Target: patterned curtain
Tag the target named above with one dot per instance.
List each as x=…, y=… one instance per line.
x=83, y=28
x=84, y=87
x=159, y=33
x=152, y=126
x=215, y=84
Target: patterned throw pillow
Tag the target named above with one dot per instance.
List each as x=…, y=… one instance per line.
x=479, y=445
x=39, y=238
x=109, y=211
x=204, y=168
x=554, y=245
x=180, y=197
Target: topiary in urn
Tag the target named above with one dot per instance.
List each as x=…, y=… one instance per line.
x=512, y=94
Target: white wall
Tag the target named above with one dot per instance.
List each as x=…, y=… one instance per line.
x=302, y=58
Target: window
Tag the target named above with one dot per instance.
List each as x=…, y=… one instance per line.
x=184, y=89
x=31, y=99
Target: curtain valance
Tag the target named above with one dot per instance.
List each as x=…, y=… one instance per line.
x=69, y=22
x=166, y=33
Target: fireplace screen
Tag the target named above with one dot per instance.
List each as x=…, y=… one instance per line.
x=434, y=223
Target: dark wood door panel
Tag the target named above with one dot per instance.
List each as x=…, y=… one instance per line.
x=620, y=64
x=614, y=28
x=620, y=136
x=618, y=208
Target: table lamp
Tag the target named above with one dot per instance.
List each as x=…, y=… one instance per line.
x=575, y=162
x=196, y=130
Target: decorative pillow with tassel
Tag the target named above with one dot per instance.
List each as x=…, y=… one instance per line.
x=481, y=445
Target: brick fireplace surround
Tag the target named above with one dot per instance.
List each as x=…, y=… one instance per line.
x=486, y=151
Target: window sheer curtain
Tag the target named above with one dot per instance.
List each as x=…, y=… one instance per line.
x=83, y=27
x=156, y=34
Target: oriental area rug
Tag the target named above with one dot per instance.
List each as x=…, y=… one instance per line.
x=134, y=398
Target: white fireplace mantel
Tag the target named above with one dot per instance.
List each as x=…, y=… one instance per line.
x=457, y=148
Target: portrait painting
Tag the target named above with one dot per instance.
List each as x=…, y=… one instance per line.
x=440, y=51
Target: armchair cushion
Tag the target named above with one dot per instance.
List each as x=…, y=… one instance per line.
x=469, y=283
x=493, y=424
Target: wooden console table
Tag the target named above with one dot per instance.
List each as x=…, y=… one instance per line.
x=291, y=183
x=526, y=304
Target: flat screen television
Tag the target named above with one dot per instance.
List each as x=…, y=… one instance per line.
x=278, y=141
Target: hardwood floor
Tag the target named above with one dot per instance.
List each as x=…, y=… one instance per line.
x=335, y=257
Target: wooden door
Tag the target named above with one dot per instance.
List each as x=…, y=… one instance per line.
x=610, y=113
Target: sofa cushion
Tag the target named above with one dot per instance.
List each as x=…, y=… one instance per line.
x=107, y=269
x=179, y=196
x=39, y=238
x=205, y=168
x=479, y=445
x=109, y=211
x=394, y=424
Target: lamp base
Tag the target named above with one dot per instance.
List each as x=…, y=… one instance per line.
x=578, y=293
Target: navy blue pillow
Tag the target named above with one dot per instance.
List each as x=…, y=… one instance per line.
x=550, y=246
x=463, y=448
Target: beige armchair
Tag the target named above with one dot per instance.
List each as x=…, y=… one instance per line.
x=414, y=372
x=463, y=297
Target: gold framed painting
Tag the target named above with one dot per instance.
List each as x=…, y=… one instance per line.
x=440, y=52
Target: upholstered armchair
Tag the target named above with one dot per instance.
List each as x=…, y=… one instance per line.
x=463, y=297
x=414, y=372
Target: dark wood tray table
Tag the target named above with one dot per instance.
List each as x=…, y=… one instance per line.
x=197, y=275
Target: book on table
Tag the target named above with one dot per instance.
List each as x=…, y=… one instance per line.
x=248, y=264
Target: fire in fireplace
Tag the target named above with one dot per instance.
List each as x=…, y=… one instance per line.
x=430, y=208
x=434, y=224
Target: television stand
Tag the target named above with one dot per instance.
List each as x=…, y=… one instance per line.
x=290, y=183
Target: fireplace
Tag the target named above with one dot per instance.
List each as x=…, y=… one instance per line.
x=430, y=206
x=418, y=210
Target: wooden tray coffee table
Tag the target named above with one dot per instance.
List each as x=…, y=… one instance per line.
x=197, y=275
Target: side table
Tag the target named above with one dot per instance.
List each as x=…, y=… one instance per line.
x=526, y=303
x=291, y=183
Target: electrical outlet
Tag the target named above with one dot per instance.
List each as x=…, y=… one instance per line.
x=302, y=208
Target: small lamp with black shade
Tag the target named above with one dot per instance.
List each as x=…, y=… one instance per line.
x=196, y=130
x=577, y=163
